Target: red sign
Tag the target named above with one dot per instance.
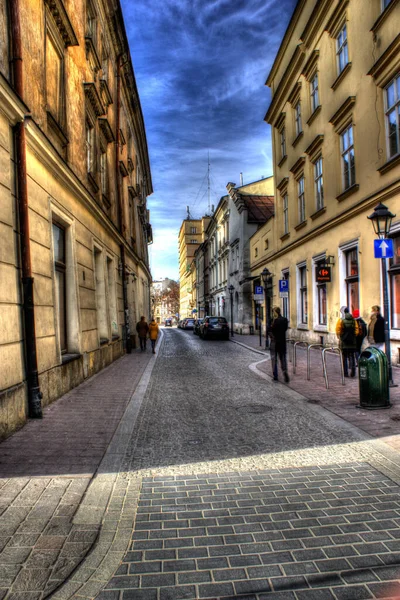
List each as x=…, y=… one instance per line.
x=323, y=274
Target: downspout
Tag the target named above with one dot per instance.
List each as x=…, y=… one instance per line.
x=34, y=394
x=128, y=341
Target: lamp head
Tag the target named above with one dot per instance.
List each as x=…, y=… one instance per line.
x=381, y=220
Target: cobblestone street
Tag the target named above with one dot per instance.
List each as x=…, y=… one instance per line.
x=218, y=483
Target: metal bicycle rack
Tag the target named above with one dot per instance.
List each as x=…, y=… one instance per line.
x=294, y=353
x=291, y=341
x=309, y=358
x=332, y=350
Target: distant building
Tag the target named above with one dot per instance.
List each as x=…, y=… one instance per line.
x=334, y=114
x=165, y=299
x=191, y=235
x=75, y=177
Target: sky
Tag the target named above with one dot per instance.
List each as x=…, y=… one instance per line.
x=200, y=68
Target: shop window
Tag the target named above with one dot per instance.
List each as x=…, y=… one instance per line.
x=303, y=297
x=352, y=279
x=321, y=298
x=392, y=110
x=394, y=273
x=348, y=161
x=342, y=51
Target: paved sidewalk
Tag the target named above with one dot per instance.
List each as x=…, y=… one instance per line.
x=45, y=471
x=339, y=399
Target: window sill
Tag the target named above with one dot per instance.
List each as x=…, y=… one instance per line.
x=297, y=139
x=67, y=358
x=383, y=16
x=392, y=162
x=115, y=338
x=321, y=328
x=314, y=115
x=104, y=341
x=341, y=76
x=318, y=213
x=285, y=237
x=351, y=190
x=92, y=181
x=301, y=225
x=283, y=159
x=302, y=326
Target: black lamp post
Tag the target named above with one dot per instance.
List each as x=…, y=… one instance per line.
x=266, y=277
x=381, y=220
x=231, y=290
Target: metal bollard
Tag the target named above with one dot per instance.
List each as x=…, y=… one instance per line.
x=333, y=350
x=309, y=358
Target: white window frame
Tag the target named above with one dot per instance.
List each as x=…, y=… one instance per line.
x=282, y=137
x=318, y=183
x=297, y=118
x=315, y=286
x=314, y=92
x=342, y=49
x=346, y=149
x=301, y=199
x=342, y=257
x=285, y=212
x=300, y=323
x=389, y=110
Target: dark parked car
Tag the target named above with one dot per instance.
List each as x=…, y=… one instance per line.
x=188, y=324
x=180, y=323
x=196, y=329
x=214, y=327
x=168, y=322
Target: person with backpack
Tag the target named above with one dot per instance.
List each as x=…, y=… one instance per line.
x=277, y=332
x=362, y=331
x=347, y=332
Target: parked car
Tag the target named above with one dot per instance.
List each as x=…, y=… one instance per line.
x=188, y=324
x=180, y=323
x=196, y=328
x=214, y=327
x=168, y=322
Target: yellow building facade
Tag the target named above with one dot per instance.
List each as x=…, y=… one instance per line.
x=334, y=114
x=74, y=224
x=191, y=235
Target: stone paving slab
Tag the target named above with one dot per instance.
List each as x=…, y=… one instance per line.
x=314, y=532
x=45, y=472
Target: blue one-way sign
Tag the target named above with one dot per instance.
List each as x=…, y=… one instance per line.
x=383, y=248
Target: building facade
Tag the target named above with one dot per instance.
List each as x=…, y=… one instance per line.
x=334, y=113
x=75, y=177
x=191, y=235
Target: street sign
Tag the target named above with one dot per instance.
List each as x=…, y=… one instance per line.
x=258, y=290
x=323, y=274
x=283, y=288
x=258, y=298
x=383, y=248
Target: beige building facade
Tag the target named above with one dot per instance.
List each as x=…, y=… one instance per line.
x=334, y=113
x=75, y=176
x=191, y=235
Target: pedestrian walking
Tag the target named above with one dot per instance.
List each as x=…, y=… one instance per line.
x=347, y=332
x=142, y=328
x=277, y=333
x=362, y=331
x=153, y=334
x=376, y=328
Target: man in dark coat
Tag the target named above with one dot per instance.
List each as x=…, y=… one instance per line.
x=142, y=328
x=376, y=328
x=347, y=331
x=277, y=332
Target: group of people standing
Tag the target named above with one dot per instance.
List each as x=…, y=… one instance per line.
x=145, y=331
x=352, y=331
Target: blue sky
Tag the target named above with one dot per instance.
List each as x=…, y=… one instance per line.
x=200, y=67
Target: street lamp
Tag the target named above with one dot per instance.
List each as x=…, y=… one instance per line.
x=231, y=290
x=266, y=277
x=381, y=220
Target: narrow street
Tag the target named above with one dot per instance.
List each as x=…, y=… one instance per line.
x=239, y=488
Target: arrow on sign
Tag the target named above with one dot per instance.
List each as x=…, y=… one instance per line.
x=383, y=246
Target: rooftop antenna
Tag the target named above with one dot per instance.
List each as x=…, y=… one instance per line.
x=188, y=213
x=241, y=179
x=208, y=181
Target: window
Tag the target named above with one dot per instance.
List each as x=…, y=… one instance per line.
x=394, y=273
x=193, y=241
x=303, y=295
x=301, y=200
x=285, y=301
x=89, y=146
x=319, y=184
x=193, y=230
x=282, y=136
x=54, y=78
x=348, y=162
x=392, y=108
x=91, y=22
x=102, y=320
x=314, y=92
x=297, y=118
x=385, y=3
x=342, y=52
x=352, y=279
x=285, y=204
x=103, y=172
x=321, y=298
x=60, y=283
x=112, y=299
x=255, y=252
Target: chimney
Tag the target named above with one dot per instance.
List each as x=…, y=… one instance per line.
x=241, y=179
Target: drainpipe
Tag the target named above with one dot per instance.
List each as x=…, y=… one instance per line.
x=121, y=212
x=34, y=394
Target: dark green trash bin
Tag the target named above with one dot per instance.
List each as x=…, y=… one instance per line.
x=373, y=379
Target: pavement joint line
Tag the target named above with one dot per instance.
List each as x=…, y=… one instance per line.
x=101, y=489
x=262, y=352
